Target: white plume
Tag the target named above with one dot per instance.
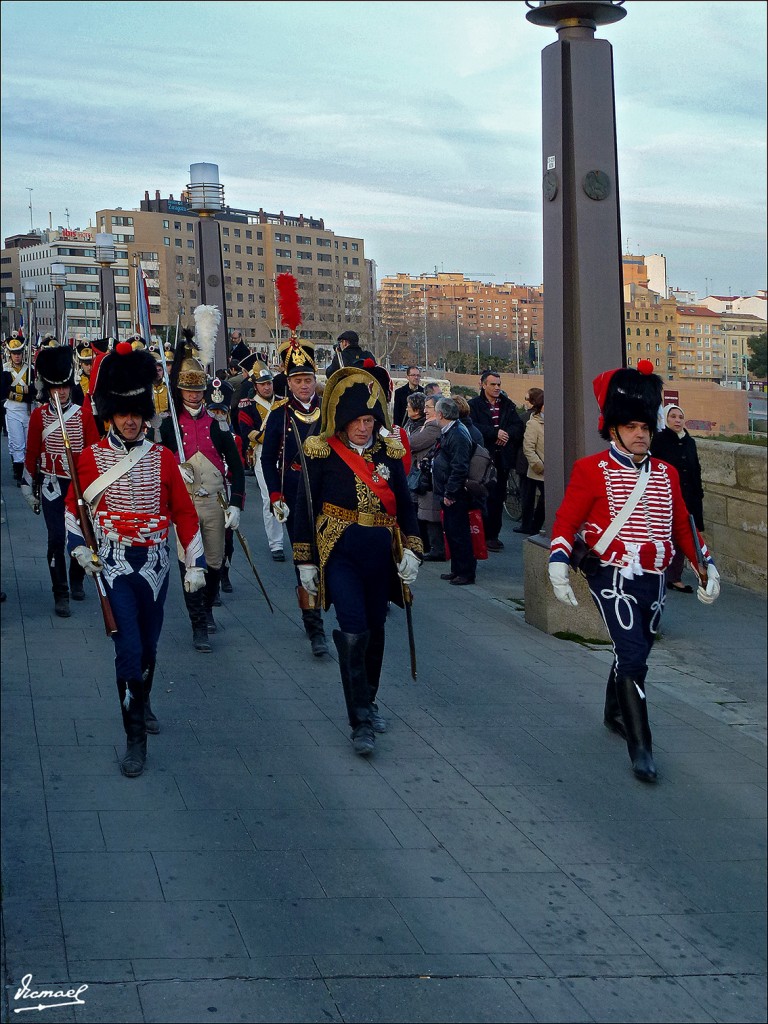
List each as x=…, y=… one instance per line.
x=207, y=320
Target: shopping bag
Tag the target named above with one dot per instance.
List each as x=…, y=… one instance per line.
x=477, y=532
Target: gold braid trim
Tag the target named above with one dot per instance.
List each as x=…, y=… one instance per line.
x=415, y=544
x=395, y=448
x=302, y=553
x=316, y=447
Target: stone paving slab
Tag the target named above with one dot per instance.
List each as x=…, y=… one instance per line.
x=493, y=860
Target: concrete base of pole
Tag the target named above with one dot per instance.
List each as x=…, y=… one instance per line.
x=544, y=611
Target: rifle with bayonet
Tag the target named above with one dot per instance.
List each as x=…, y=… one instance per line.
x=84, y=518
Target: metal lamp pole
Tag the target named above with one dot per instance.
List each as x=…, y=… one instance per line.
x=58, y=280
x=105, y=257
x=206, y=197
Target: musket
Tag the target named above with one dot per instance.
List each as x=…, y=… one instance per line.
x=701, y=562
x=397, y=542
x=247, y=552
x=85, y=523
x=37, y=487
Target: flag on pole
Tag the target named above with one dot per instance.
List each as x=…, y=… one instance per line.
x=144, y=324
x=64, y=340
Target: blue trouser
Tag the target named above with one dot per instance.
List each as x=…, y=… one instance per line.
x=631, y=610
x=53, y=513
x=139, y=617
x=357, y=577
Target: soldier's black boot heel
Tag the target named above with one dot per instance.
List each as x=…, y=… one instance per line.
x=352, y=649
x=634, y=711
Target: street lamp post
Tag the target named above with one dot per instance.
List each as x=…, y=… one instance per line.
x=582, y=232
x=105, y=257
x=58, y=280
x=29, y=292
x=477, y=336
x=206, y=197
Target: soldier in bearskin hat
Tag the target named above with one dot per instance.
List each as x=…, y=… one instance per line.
x=209, y=453
x=46, y=473
x=628, y=509
x=17, y=392
x=135, y=493
x=344, y=552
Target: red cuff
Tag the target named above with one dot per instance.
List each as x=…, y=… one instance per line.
x=274, y=497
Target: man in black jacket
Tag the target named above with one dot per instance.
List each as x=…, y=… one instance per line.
x=495, y=416
x=402, y=394
x=348, y=353
x=450, y=468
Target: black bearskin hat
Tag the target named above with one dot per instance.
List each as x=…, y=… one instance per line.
x=125, y=381
x=628, y=394
x=55, y=366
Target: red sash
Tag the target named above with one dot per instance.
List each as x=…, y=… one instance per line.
x=366, y=471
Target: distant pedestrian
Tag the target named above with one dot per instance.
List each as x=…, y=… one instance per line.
x=675, y=446
x=497, y=419
x=348, y=353
x=450, y=469
x=412, y=386
x=533, y=450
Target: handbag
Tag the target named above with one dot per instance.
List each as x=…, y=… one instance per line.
x=476, y=532
x=586, y=559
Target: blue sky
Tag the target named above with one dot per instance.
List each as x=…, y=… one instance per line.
x=413, y=125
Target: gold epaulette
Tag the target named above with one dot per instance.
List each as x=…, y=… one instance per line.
x=395, y=448
x=316, y=447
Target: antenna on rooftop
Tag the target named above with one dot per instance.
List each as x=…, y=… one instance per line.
x=66, y=211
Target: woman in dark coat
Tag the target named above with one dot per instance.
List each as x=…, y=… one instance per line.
x=675, y=445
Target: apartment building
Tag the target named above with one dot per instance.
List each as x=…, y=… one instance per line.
x=332, y=272
x=650, y=325
x=700, y=345
x=450, y=312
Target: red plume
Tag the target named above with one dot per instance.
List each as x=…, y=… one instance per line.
x=645, y=366
x=288, y=301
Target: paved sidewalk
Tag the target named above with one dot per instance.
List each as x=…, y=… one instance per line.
x=495, y=860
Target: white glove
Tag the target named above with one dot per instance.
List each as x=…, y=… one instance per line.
x=187, y=473
x=232, y=518
x=310, y=578
x=408, y=569
x=194, y=579
x=559, y=577
x=28, y=496
x=710, y=593
x=280, y=511
x=87, y=560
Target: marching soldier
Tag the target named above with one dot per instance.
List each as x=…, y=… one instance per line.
x=135, y=492
x=290, y=425
x=628, y=509
x=209, y=452
x=46, y=473
x=361, y=509
x=83, y=373
x=160, y=395
x=17, y=392
x=253, y=413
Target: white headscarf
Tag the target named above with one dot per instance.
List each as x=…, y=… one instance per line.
x=666, y=411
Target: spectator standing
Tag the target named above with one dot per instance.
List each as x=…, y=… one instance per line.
x=348, y=353
x=423, y=440
x=495, y=416
x=533, y=452
x=675, y=446
x=450, y=469
x=412, y=386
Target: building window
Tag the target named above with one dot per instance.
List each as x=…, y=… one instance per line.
x=190, y=243
x=166, y=241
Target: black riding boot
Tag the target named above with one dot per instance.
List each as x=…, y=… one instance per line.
x=132, y=706
x=352, y=649
x=150, y=718
x=374, y=656
x=313, y=622
x=197, y=616
x=634, y=710
x=59, y=584
x=612, y=712
x=226, y=585
x=18, y=473
x=211, y=591
x=76, y=577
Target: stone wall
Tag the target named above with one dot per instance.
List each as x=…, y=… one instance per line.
x=736, y=509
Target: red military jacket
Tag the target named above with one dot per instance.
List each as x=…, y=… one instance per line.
x=49, y=450
x=599, y=486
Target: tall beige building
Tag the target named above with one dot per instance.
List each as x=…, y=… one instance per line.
x=650, y=325
x=332, y=272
